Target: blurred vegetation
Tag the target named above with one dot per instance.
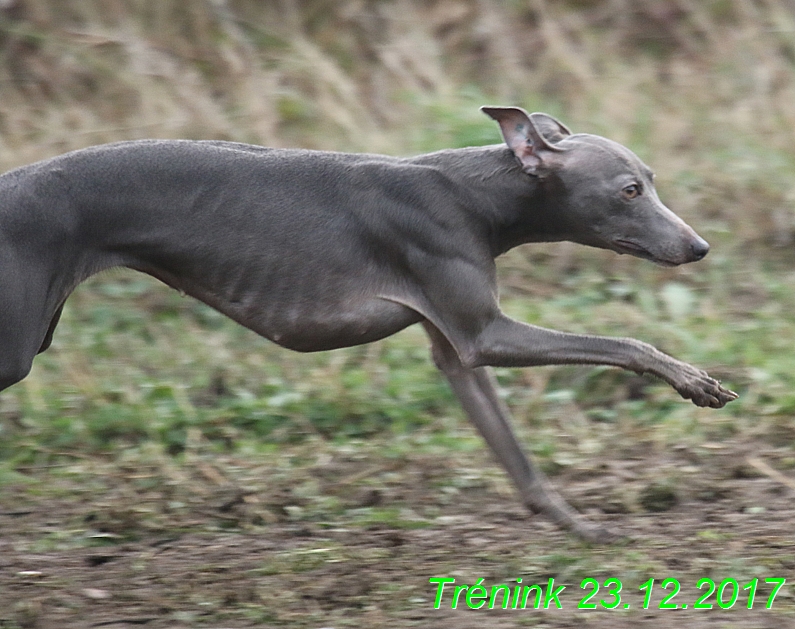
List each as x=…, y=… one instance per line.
x=703, y=91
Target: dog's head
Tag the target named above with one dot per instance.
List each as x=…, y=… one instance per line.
x=602, y=193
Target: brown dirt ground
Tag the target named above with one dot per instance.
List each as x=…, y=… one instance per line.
x=232, y=541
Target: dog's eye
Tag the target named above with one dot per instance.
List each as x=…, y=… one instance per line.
x=631, y=191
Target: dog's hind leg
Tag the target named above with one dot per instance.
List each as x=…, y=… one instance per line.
x=476, y=391
x=26, y=323
x=45, y=344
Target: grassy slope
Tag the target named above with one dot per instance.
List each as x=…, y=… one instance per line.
x=704, y=94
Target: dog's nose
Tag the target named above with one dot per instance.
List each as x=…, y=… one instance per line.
x=700, y=248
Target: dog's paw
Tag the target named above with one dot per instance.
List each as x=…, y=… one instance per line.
x=595, y=534
x=703, y=390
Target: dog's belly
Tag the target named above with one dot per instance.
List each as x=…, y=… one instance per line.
x=317, y=327
x=310, y=311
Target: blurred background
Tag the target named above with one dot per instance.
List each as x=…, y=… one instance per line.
x=139, y=378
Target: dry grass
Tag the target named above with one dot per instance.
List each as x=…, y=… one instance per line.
x=705, y=91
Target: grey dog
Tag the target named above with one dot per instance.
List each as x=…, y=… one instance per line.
x=317, y=250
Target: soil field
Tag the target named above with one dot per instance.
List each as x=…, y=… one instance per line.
x=322, y=536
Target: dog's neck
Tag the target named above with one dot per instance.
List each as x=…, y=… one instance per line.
x=514, y=207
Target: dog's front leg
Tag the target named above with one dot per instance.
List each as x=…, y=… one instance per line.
x=475, y=390
x=508, y=343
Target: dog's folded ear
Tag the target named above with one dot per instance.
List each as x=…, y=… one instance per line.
x=551, y=128
x=528, y=136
